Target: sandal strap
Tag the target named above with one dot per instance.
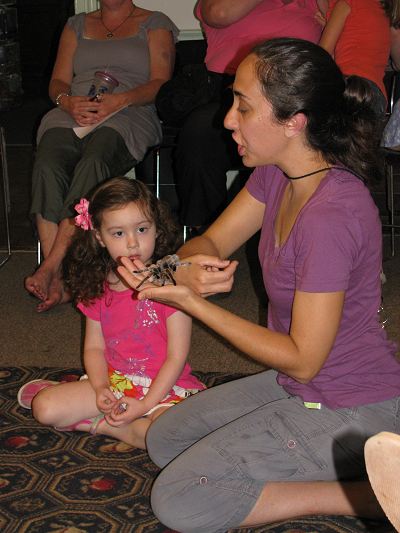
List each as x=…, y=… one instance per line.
x=95, y=424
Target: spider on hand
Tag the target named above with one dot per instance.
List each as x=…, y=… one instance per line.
x=161, y=272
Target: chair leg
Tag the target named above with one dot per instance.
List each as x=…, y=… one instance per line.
x=156, y=177
x=157, y=156
x=39, y=253
x=390, y=189
x=6, y=193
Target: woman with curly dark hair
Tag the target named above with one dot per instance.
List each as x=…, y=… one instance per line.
x=135, y=351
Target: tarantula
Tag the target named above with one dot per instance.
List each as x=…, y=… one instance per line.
x=161, y=272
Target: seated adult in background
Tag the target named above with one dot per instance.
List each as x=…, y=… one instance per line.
x=205, y=150
x=288, y=441
x=395, y=44
x=391, y=133
x=135, y=46
x=357, y=35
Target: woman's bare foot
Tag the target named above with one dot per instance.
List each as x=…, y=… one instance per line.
x=56, y=295
x=39, y=283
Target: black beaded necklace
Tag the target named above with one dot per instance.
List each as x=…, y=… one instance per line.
x=110, y=33
x=309, y=174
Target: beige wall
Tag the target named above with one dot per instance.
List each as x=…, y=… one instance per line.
x=180, y=11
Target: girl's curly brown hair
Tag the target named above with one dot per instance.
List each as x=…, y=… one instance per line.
x=87, y=264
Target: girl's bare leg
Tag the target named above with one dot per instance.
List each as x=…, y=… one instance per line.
x=133, y=434
x=46, y=283
x=285, y=500
x=50, y=408
x=65, y=404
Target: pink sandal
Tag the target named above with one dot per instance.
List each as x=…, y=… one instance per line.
x=28, y=391
x=92, y=423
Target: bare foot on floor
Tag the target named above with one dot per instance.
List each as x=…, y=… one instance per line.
x=56, y=295
x=39, y=283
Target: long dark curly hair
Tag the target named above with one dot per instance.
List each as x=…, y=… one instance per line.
x=297, y=76
x=87, y=264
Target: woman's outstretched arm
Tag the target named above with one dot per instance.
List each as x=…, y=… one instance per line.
x=211, y=271
x=299, y=354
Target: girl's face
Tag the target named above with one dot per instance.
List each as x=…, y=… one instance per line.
x=127, y=232
x=260, y=138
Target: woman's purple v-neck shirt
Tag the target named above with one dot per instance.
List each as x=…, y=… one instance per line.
x=334, y=245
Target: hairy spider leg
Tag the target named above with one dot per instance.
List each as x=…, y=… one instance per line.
x=170, y=276
x=144, y=279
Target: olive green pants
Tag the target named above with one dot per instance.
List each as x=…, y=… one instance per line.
x=67, y=168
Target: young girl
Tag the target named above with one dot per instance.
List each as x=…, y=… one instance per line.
x=357, y=35
x=134, y=352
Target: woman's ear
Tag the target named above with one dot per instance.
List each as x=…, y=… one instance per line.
x=98, y=237
x=295, y=125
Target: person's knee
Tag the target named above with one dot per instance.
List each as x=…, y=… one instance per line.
x=55, y=150
x=43, y=408
x=184, y=500
x=171, y=502
x=162, y=502
x=49, y=164
x=157, y=442
x=92, y=161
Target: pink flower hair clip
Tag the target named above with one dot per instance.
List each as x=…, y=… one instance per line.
x=83, y=220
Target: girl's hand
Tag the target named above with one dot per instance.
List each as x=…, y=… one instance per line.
x=134, y=273
x=105, y=400
x=125, y=411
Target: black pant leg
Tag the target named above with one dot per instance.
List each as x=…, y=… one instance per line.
x=204, y=154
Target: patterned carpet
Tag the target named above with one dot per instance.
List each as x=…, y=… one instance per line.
x=76, y=483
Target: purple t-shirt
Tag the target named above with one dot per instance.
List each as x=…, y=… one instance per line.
x=335, y=245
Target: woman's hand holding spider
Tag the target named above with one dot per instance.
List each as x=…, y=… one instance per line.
x=204, y=275
x=207, y=275
x=174, y=295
